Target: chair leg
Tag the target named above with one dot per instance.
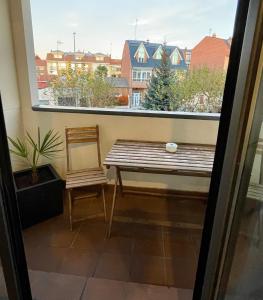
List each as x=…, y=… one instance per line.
x=104, y=202
x=70, y=209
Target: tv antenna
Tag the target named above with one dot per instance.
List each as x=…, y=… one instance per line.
x=135, y=29
x=74, y=41
x=59, y=43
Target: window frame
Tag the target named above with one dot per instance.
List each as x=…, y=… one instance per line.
x=27, y=61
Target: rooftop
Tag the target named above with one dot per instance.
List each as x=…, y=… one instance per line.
x=151, y=49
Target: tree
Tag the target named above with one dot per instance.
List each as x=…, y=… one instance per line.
x=69, y=86
x=77, y=87
x=101, y=72
x=200, y=90
x=160, y=93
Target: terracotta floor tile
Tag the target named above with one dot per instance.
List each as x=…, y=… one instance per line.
x=118, y=245
x=53, y=286
x=122, y=229
x=90, y=237
x=78, y=262
x=146, y=269
x=148, y=247
x=46, y=259
x=112, y=266
x=143, y=231
x=102, y=289
x=180, y=249
x=181, y=273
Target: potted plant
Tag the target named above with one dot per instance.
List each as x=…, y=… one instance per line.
x=39, y=188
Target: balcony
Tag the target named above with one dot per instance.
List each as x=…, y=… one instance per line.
x=139, y=84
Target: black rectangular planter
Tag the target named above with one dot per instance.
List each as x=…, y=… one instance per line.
x=40, y=201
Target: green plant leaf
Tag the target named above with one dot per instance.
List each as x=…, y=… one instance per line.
x=20, y=147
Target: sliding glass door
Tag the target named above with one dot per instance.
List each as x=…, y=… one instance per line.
x=242, y=260
x=14, y=282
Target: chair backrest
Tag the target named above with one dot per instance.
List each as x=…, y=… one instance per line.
x=82, y=135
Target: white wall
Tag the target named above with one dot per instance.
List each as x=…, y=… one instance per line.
x=116, y=127
x=8, y=77
x=111, y=127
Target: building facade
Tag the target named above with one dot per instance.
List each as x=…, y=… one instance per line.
x=41, y=73
x=58, y=60
x=212, y=52
x=139, y=60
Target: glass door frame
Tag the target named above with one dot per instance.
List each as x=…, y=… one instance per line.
x=236, y=109
x=248, y=155
x=15, y=267
x=11, y=243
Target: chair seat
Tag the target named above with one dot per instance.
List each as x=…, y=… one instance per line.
x=255, y=191
x=86, y=177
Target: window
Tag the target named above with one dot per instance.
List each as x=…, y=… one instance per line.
x=175, y=57
x=148, y=75
x=99, y=58
x=158, y=54
x=131, y=51
x=62, y=65
x=141, y=54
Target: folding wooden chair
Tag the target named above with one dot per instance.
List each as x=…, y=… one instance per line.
x=84, y=177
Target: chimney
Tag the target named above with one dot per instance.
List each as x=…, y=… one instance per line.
x=214, y=35
x=147, y=41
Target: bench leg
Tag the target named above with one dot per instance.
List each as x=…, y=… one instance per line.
x=113, y=203
x=104, y=202
x=120, y=180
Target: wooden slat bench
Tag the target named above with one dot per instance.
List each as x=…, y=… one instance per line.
x=151, y=157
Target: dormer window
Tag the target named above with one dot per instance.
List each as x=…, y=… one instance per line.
x=141, y=54
x=175, y=57
x=159, y=53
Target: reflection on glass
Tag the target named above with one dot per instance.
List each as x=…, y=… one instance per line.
x=3, y=291
x=245, y=281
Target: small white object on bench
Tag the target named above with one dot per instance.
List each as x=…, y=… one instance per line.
x=171, y=147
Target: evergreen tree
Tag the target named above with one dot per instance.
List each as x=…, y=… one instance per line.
x=159, y=94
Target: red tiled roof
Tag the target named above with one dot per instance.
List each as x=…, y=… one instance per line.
x=85, y=58
x=39, y=61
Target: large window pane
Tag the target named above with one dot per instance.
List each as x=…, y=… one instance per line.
x=185, y=46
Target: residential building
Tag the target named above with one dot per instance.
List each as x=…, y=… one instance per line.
x=187, y=53
x=41, y=72
x=58, y=60
x=138, y=62
x=121, y=89
x=212, y=52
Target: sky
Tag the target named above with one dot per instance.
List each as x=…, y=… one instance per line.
x=104, y=25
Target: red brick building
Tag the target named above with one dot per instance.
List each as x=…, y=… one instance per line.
x=212, y=52
x=42, y=74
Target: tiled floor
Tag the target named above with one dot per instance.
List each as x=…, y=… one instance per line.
x=54, y=286
x=138, y=253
